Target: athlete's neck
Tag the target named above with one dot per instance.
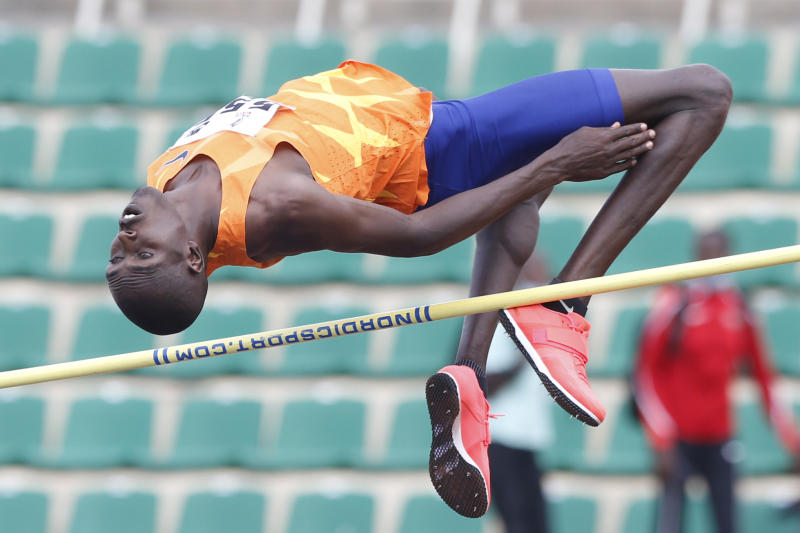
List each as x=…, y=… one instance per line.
x=196, y=192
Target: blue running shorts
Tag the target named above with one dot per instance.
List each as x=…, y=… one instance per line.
x=474, y=141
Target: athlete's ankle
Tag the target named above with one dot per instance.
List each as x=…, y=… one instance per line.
x=570, y=305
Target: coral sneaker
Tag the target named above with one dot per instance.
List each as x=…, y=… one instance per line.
x=459, y=461
x=555, y=344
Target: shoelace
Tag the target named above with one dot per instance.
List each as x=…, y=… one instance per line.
x=488, y=440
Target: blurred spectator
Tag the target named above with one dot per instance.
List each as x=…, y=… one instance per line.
x=692, y=341
x=525, y=429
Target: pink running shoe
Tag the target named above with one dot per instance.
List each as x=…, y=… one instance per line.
x=459, y=460
x=556, y=346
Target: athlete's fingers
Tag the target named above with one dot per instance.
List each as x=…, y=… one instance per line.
x=622, y=166
x=628, y=130
x=636, y=150
x=633, y=141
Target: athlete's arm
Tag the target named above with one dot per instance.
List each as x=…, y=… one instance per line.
x=314, y=219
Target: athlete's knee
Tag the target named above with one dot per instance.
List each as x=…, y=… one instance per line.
x=712, y=92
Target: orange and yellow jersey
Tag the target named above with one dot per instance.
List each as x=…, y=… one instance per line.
x=360, y=128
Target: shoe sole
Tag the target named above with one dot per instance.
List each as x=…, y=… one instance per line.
x=457, y=480
x=563, y=398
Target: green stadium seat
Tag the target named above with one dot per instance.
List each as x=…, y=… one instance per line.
x=16, y=152
x=763, y=453
x=236, y=512
x=311, y=435
x=215, y=433
x=429, y=514
x=751, y=234
x=329, y=513
x=641, y=516
x=422, y=61
x=622, y=50
x=289, y=59
x=200, y=70
x=101, y=512
x=27, y=238
x=768, y=516
x=661, y=242
x=792, y=97
x=743, y=58
x=104, y=433
x=18, y=59
x=96, y=157
x=25, y=330
x=628, y=452
x=422, y=349
x=105, y=331
x=327, y=356
x=314, y=267
x=21, y=430
x=618, y=358
x=558, y=238
x=410, y=437
x=740, y=157
x=568, y=451
x=784, y=343
x=24, y=512
x=453, y=264
x=573, y=514
x=90, y=257
x=105, y=69
x=215, y=323
x=506, y=59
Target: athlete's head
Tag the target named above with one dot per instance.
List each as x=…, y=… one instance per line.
x=156, y=274
x=712, y=244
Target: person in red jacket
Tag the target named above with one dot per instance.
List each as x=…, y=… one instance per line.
x=692, y=342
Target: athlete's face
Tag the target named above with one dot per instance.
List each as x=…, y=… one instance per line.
x=151, y=234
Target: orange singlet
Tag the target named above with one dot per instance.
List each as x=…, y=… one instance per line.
x=359, y=127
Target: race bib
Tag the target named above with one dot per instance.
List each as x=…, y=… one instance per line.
x=243, y=115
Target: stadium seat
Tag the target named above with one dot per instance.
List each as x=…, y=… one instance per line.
x=90, y=257
x=750, y=234
x=641, y=516
x=101, y=512
x=763, y=453
x=200, y=70
x=558, y=238
x=235, y=512
x=628, y=451
x=429, y=514
x=313, y=267
x=318, y=513
x=27, y=238
x=774, y=517
x=506, y=59
x=105, y=331
x=622, y=50
x=326, y=356
x=215, y=433
x=661, y=242
x=18, y=61
x=740, y=157
x=422, y=61
x=743, y=58
x=105, y=69
x=573, y=514
x=618, y=358
x=104, y=433
x=312, y=435
x=568, y=451
x=453, y=264
x=25, y=335
x=24, y=512
x=21, y=430
x=289, y=59
x=101, y=156
x=16, y=152
x=783, y=341
x=410, y=437
x=792, y=97
x=215, y=323
x=422, y=349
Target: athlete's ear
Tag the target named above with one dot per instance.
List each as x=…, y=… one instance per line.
x=194, y=258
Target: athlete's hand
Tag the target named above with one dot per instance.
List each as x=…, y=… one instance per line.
x=594, y=153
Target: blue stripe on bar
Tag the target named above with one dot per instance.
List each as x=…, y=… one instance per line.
x=155, y=356
x=427, y=313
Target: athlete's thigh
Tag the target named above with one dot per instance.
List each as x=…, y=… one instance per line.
x=477, y=140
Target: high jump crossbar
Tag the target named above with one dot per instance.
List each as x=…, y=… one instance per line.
x=399, y=317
